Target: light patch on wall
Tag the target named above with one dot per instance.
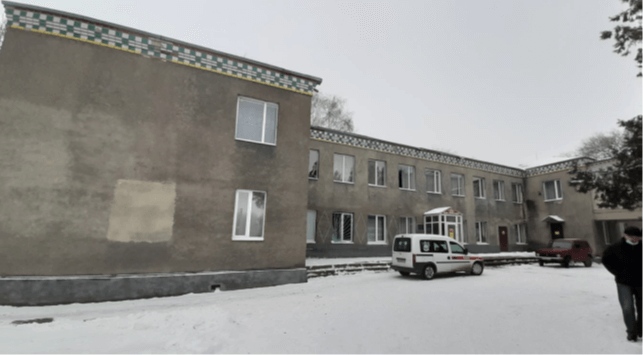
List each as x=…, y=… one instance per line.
x=142, y=211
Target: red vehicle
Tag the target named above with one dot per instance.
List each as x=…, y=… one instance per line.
x=564, y=251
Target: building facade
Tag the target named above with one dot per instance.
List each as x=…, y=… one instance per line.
x=128, y=153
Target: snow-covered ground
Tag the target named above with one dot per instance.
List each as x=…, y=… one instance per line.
x=511, y=309
x=375, y=259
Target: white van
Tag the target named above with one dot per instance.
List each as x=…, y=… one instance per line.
x=429, y=254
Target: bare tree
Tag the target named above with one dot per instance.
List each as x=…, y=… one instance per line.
x=628, y=32
x=600, y=146
x=330, y=112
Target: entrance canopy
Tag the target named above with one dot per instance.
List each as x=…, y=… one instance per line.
x=553, y=218
x=444, y=221
x=442, y=210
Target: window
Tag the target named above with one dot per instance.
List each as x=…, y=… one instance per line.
x=313, y=164
x=499, y=190
x=433, y=246
x=481, y=232
x=407, y=177
x=478, y=188
x=402, y=244
x=344, y=170
x=516, y=193
x=376, y=229
x=456, y=248
x=311, y=226
x=342, y=227
x=433, y=181
x=376, y=173
x=433, y=225
x=457, y=185
x=553, y=190
x=256, y=121
x=249, y=212
x=521, y=234
x=407, y=225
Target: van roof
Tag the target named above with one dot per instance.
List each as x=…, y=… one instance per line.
x=432, y=236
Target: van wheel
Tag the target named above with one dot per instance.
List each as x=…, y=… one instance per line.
x=566, y=262
x=588, y=262
x=404, y=273
x=477, y=269
x=429, y=272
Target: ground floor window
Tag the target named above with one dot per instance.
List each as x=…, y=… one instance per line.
x=481, y=232
x=521, y=233
x=376, y=229
x=342, y=227
x=249, y=213
x=406, y=226
x=311, y=226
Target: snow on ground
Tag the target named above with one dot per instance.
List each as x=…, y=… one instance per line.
x=511, y=309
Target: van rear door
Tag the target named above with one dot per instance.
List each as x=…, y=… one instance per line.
x=402, y=255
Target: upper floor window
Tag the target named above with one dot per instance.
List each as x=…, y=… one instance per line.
x=376, y=229
x=478, y=188
x=499, y=190
x=249, y=212
x=516, y=193
x=553, y=190
x=406, y=176
x=344, y=170
x=342, y=227
x=377, y=173
x=433, y=181
x=457, y=185
x=256, y=121
x=481, y=232
x=313, y=164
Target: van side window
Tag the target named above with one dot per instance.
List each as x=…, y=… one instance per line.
x=425, y=246
x=402, y=244
x=438, y=246
x=456, y=248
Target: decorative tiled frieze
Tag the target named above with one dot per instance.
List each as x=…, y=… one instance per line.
x=108, y=35
x=369, y=143
x=559, y=166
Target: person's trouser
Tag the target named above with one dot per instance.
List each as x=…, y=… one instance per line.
x=631, y=317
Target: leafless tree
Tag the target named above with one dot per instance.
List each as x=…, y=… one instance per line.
x=600, y=146
x=330, y=112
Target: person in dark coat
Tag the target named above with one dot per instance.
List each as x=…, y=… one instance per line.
x=623, y=259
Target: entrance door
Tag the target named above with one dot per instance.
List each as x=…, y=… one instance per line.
x=503, y=239
x=556, y=230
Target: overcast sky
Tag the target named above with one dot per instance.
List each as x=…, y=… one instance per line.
x=513, y=82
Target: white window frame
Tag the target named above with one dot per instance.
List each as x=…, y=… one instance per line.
x=516, y=191
x=263, y=130
x=409, y=225
x=481, y=232
x=344, y=175
x=411, y=174
x=520, y=231
x=316, y=177
x=437, y=181
x=246, y=236
x=377, y=163
x=341, y=227
x=481, y=188
x=308, y=221
x=460, y=185
x=499, y=185
x=558, y=190
x=380, y=236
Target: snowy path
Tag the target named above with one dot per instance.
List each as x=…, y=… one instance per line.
x=513, y=309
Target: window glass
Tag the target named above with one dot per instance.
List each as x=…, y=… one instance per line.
x=457, y=185
x=258, y=210
x=271, y=124
x=249, y=215
x=516, y=193
x=344, y=168
x=478, y=188
x=311, y=226
x=402, y=244
x=342, y=227
x=406, y=177
x=375, y=229
x=406, y=225
x=250, y=120
x=499, y=190
x=439, y=246
x=377, y=172
x=241, y=212
x=313, y=164
x=456, y=248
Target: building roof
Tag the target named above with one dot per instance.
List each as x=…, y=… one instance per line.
x=90, y=30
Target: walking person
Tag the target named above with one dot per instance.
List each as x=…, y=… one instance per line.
x=623, y=259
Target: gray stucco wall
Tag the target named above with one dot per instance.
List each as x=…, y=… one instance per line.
x=83, y=124
x=326, y=196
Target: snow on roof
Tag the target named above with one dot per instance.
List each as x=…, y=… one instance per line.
x=439, y=210
x=553, y=218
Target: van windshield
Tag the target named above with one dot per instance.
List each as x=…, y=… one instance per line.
x=402, y=244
